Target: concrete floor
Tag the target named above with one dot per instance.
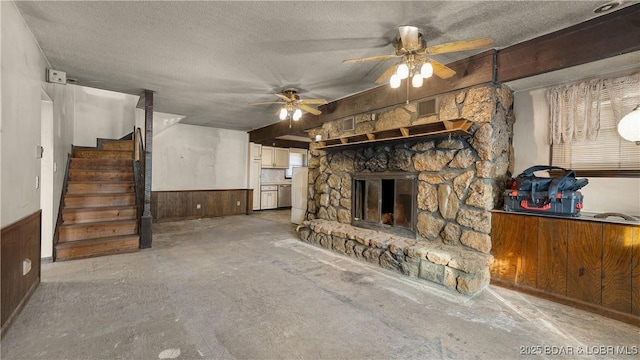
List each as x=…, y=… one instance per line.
x=244, y=287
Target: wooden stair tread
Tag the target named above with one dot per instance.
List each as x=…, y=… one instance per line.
x=123, y=182
x=101, y=159
x=87, y=242
x=98, y=194
x=101, y=223
x=89, y=215
x=105, y=208
x=103, y=150
x=127, y=169
x=98, y=153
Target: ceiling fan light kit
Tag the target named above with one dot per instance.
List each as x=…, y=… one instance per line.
x=297, y=114
x=395, y=81
x=292, y=105
x=416, y=62
x=416, y=80
x=426, y=70
x=283, y=113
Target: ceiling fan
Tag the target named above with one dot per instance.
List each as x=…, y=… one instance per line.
x=292, y=105
x=415, y=61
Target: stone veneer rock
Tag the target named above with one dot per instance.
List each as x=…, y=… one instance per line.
x=460, y=180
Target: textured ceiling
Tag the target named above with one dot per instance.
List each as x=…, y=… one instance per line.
x=208, y=61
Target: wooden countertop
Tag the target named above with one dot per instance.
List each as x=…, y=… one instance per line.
x=584, y=216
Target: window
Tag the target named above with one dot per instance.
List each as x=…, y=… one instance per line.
x=608, y=155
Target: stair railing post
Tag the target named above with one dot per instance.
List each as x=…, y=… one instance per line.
x=147, y=219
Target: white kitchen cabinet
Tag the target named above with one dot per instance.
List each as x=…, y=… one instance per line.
x=269, y=197
x=275, y=158
x=281, y=160
x=268, y=155
x=255, y=151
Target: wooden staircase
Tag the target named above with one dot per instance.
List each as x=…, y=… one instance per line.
x=99, y=214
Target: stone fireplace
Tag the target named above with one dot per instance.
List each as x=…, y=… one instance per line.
x=415, y=206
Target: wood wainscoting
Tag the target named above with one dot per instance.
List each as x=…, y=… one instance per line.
x=20, y=242
x=592, y=265
x=183, y=204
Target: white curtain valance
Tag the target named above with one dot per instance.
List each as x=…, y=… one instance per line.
x=574, y=110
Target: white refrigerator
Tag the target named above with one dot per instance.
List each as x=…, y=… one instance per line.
x=299, y=185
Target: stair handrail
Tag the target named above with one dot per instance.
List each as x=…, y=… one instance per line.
x=139, y=173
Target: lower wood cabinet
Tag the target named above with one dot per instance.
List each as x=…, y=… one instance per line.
x=268, y=200
x=268, y=197
x=590, y=264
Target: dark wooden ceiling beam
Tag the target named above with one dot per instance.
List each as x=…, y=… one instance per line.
x=600, y=38
x=606, y=36
x=284, y=143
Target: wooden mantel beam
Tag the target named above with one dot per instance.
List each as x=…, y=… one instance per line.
x=471, y=71
x=600, y=38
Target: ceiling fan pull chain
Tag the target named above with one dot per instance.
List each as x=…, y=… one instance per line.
x=407, y=91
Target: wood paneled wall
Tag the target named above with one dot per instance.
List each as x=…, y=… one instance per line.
x=19, y=241
x=588, y=264
x=183, y=205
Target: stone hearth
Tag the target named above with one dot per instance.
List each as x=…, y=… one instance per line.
x=460, y=180
x=451, y=266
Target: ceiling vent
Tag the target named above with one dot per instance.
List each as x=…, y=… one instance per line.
x=427, y=108
x=348, y=124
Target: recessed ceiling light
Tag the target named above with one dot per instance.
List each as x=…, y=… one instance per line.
x=606, y=7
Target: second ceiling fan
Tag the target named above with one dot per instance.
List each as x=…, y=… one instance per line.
x=416, y=62
x=292, y=105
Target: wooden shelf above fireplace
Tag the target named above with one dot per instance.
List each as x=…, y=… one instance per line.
x=430, y=131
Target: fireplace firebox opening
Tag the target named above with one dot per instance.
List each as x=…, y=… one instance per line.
x=385, y=201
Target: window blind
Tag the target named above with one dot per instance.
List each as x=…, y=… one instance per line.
x=608, y=152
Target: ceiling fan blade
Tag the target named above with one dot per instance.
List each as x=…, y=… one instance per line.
x=309, y=109
x=268, y=103
x=283, y=97
x=312, y=101
x=409, y=37
x=387, y=74
x=460, y=46
x=371, y=58
x=442, y=71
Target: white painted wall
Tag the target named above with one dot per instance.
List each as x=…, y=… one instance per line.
x=188, y=157
x=530, y=140
x=23, y=83
x=101, y=114
x=22, y=77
